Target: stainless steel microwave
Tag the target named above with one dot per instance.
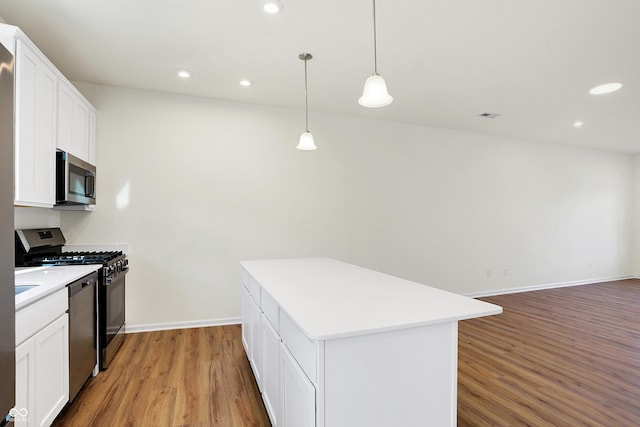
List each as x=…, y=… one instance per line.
x=75, y=181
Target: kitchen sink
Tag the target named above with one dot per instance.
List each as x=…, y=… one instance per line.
x=23, y=288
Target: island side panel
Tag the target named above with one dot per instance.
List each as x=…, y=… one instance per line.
x=403, y=378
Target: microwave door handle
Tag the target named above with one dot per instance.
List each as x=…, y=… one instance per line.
x=90, y=185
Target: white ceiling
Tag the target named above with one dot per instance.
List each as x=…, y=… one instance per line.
x=445, y=61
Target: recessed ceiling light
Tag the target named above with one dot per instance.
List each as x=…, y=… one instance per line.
x=272, y=6
x=245, y=82
x=183, y=74
x=577, y=123
x=605, y=88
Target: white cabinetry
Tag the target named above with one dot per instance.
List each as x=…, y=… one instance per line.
x=76, y=123
x=92, y=135
x=353, y=347
x=52, y=370
x=42, y=360
x=289, y=395
x=25, y=383
x=271, y=371
x=298, y=394
x=35, y=102
x=50, y=113
x=251, y=333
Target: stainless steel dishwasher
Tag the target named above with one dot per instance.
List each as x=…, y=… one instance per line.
x=82, y=332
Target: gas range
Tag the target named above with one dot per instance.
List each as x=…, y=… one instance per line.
x=114, y=262
x=43, y=247
x=106, y=258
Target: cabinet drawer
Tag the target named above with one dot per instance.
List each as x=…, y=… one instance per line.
x=36, y=316
x=244, y=277
x=254, y=290
x=270, y=309
x=302, y=348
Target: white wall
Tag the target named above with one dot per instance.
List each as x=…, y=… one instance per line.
x=25, y=217
x=636, y=215
x=196, y=185
x=472, y=213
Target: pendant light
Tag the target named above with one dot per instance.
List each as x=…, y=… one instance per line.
x=306, y=142
x=375, y=93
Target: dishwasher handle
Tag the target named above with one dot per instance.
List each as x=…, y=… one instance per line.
x=80, y=284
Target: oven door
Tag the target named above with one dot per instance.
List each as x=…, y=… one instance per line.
x=112, y=312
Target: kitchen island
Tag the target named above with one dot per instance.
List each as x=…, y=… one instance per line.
x=333, y=344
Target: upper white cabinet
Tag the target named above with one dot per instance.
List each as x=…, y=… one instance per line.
x=49, y=113
x=76, y=123
x=35, y=113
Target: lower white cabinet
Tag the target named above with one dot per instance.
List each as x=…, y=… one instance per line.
x=246, y=321
x=25, y=383
x=42, y=360
x=254, y=338
x=271, y=361
x=52, y=370
x=298, y=394
x=336, y=345
x=288, y=394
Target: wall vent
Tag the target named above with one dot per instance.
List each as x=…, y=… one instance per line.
x=489, y=115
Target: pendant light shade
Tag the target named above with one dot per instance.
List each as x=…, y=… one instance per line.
x=375, y=93
x=306, y=142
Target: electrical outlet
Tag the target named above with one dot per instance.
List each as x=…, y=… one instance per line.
x=506, y=271
x=488, y=274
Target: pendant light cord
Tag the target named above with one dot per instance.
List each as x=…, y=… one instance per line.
x=306, y=97
x=375, y=42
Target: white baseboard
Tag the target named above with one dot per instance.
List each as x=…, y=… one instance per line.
x=130, y=329
x=495, y=292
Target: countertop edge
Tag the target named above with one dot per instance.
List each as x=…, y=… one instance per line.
x=31, y=296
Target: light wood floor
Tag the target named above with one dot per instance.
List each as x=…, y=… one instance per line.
x=562, y=357
x=188, y=377
x=559, y=357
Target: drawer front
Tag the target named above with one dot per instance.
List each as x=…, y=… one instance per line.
x=36, y=316
x=244, y=277
x=302, y=348
x=270, y=310
x=254, y=290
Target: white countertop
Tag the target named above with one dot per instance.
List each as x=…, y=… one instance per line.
x=48, y=279
x=330, y=299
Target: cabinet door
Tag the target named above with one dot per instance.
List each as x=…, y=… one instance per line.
x=271, y=371
x=92, y=136
x=298, y=394
x=251, y=336
x=246, y=321
x=80, y=135
x=255, y=353
x=64, y=140
x=75, y=123
x=24, y=411
x=52, y=370
x=35, y=129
